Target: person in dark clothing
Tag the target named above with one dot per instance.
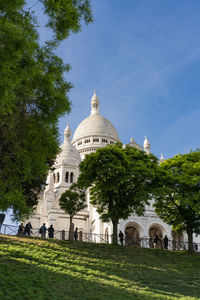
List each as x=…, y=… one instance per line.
x=76, y=234
x=195, y=247
x=51, y=232
x=121, y=237
x=20, y=229
x=27, y=229
x=43, y=230
x=165, y=242
x=155, y=242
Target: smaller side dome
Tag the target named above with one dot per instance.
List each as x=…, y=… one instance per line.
x=134, y=144
x=69, y=154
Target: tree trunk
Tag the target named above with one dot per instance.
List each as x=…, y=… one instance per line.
x=70, y=228
x=190, y=239
x=115, y=237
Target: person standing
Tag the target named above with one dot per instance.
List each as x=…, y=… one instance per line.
x=43, y=230
x=195, y=247
x=51, y=232
x=27, y=229
x=76, y=234
x=20, y=229
x=155, y=242
x=121, y=237
x=165, y=242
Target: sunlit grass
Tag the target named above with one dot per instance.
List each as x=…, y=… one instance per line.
x=46, y=270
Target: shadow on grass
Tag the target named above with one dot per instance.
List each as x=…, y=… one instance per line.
x=85, y=271
x=28, y=281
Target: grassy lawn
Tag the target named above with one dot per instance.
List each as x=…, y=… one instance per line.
x=53, y=270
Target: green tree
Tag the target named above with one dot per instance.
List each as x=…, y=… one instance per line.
x=65, y=16
x=33, y=95
x=72, y=201
x=178, y=193
x=120, y=182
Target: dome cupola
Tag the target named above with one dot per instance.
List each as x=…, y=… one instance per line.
x=147, y=146
x=67, y=133
x=94, y=104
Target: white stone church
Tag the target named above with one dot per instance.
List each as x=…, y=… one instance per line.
x=93, y=132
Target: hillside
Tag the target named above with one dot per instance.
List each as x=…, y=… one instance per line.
x=53, y=270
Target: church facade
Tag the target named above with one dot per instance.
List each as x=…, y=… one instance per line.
x=92, y=133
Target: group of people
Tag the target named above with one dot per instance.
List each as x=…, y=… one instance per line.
x=43, y=231
x=50, y=230
x=156, y=240
x=27, y=230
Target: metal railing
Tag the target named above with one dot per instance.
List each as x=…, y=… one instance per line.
x=58, y=234
x=149, y=243
x=104, y=238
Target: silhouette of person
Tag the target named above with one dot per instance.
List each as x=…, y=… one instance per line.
x=165, y=242
x=51, y=232
x=20, y=229
x=155, y=242
x=121, y=237
x=43, y=230
x=76, y=234
x=27, y=228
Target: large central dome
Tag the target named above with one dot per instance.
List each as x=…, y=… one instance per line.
x=95, y=125
x=95, y=131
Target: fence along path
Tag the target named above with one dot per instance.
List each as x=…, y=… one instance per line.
x=102, y=238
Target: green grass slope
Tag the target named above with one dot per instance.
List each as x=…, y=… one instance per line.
x=53, y=270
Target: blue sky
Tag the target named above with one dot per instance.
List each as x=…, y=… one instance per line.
x=143, y=60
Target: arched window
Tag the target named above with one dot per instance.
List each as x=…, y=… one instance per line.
x=71, y=177
x=104, y=140
x=95, y=140
x=67, y=177
x=87, y=141
x=132, y=235
x=54, y=177
x=58, y=177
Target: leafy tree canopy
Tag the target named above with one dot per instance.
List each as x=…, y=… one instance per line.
x=72, y=201
x=178, y=193
x=33, y=95
x=65, y=16
x=120, y=181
